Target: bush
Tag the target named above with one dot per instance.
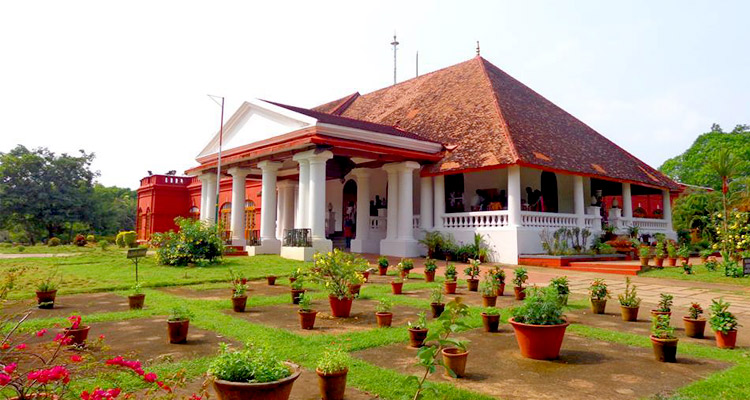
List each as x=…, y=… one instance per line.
x=196, y=242
x=721, y=319
x=79, y=240
x=334, y=359
x=90, y=238
x=126, y=239
x=250, y=365
x=542, y=306
x=53, y=242
x=103, y=244
x=336, y=270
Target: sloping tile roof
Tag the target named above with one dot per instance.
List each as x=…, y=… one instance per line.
x=494, y=120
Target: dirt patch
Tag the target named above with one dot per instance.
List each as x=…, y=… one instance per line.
x=254, y=288
x=587, y=369
x=285, y=316
x=82, y=304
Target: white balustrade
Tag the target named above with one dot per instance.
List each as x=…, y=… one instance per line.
x=415, y=223
x=475, y=219
x=533, y=219
x=593, y=222
x=650, y=224
x=378, y=224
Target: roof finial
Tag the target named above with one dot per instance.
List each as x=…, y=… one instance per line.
x=477, y=48
x=394, y=43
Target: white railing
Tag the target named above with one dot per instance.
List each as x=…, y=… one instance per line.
x=378, y=223
x=593, y=222
x=475, y=219
x=650, y=224
x=415, y=222
x=534, y=219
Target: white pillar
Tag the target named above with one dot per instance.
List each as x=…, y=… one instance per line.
x=211, y=200
x=317, y=201
x=439, y=201
x=205, y=194
x=237, y=224
x=578, y=200
x=627, y=203
x=391, y=224
x=514, y=196
x=287, y=191
x=362, y=242
x=301, y=218
x=425, y=203
x=281, y=198
x=269, y=243
x=667, y=205
x=406, y=201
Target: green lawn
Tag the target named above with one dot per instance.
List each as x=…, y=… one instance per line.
x=700, y=274
x=6, y=248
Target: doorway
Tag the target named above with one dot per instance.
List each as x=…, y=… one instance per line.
x=349, y=211
x=549, y=191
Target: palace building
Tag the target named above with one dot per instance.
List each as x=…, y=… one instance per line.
x=463, y=150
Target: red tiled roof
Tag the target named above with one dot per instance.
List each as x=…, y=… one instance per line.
x=354, y=123
x=494, y=120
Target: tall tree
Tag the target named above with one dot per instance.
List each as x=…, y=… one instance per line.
x=113, y=210
x=44, y=192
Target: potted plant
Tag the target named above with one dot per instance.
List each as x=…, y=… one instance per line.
x=659, y=255
x=491, y=319
x=355, y=285
x=306, y=313
x=598, y=294
x=499, y=275
x=382, y=265
x=418, y=331
x=383, y=313
x=335, y=270
x=687, y=269
x=46, y=291
x=450, y=279
x=397, y=285
x=644, y=253
x=271, y=279
x=704, y=254
x=297, y=290
x=520, y=276
x=671, y=254
x=136, y=297
x=665, y=305
x=663, y=339
x=724, y=324
x=332, y=369
x=629, y=302
x=366, y=273
x=488, y=291
x=251, y=373
x=404, y=267
x=178, y=324
x=436, y=302
x=539, y=324
x=77, y=333
x=562, y=285
x=694, y=324
x=683, y=253
x=239, y=297
x=296, y=274
x=430, y=266
x=454, y=351
x=472, y=271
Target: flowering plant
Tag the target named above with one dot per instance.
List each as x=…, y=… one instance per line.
x=336, y=270
x=695, y=311
x=473, y=269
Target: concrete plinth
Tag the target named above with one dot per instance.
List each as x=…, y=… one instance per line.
x=399, y=248
x=267, y=246
x=297, y=253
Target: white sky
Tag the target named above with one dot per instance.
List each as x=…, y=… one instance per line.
x=128, y=80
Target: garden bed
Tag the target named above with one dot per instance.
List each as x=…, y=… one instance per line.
x=254, y=288
x=546, y=260
x=84, y=304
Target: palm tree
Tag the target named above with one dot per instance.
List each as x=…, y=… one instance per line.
x=725, y=165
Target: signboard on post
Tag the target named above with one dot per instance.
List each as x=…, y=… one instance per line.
x=746, y=266
x=135, y=254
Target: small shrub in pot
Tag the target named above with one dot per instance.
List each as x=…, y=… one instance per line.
x=491, y=319
x=598, y=295
x=306, y=312
x=178, y=324
x=562, y=285
x=430, y=266
x=397, y=286
x=695, y=325
x=332, y=369
x=724, y=324
x=665, y=305
x=498, y=274
x=382, y=265
x=539, y=324
x=136, y=297
x=46, y=291
x=436, y=302
x=404, y=267
x=418, y=331
x=472, y=271
x=450, y=279
x=488, y=290
x=629, y=302
x=383, y=313
x=520, y=276
x=76, y=332
x=239, y=297
x=644, y=253
x=297, y=289
x=663, y=339
x=335, y=271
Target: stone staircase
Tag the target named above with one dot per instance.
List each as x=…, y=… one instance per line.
x=234, y=251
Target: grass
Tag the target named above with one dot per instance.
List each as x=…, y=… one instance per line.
x=700, y=274
x=44, y=249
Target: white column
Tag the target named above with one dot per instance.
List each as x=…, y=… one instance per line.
x=391, y=225
x=317, y=200
x=301, y=218
x=269, y=243
x=439, y=200
x=211, y=200
x=667, y=205
x=578, y=200
x=237, y=225
x=425, y=203
x=281, y=196
x=361, y=242
x=627, y=203
x=406, y=201
x=205, y=179
x=286, y=205
x=514, y=196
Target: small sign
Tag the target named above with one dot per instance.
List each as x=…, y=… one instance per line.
x=746, y=266
x=137, y=253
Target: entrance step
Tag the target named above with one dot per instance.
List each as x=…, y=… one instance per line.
x=611, y=267
x=236, y=251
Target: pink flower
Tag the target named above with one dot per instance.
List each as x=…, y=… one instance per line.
x=10, y=368
x=44, y=376
x=100, y=394
x=21, y=346
x=76, y=358
x=4, y=379
x=75, y=321
x=101, y=337
x=150, y=377
x=41, y=333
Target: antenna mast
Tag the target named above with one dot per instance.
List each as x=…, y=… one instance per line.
x=394, y=43
x=417, y=64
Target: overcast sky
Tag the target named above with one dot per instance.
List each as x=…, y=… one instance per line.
x=128, y=80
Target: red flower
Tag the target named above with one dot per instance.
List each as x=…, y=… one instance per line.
x=76, y=358
x=75, y=321
x=8, y=369
x=150, y=377
x=44, y=376
x=21, y=346
x=41, y=333
x=5, y=346
x=101, y=337
x=4, y=379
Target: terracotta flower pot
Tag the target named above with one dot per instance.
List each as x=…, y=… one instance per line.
x=694, y=328
x=382, y=270
x=437, y=309
x=417, y=337
x=307, y=319
x=332, y=386
x=340, y=308
x=366, y=275
x=473, y=284
x=404, y=274
x=598, y=306
x=489, y=301
x=665, y=350
x=46, y=299
x=429, y=276
x=239, y=303
x=629, y=314
x=292, y=279
x=490, y=322
x=135, y=301
x=654, y=313
x=397, y=287
x=276, y=390
x=450, y=287
x=501, y=289
x=354, y=289
x=296, y=293
x=671, y=262
x=659, y=262
x=384, y=319
x=271, y=280
x=455, y=360
x=726, y=340
x=178, y=331
x=539, y=342
x=520, y=292
x=77, y=336
x=644, y=261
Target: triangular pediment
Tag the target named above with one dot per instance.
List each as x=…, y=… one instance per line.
x=253, y=122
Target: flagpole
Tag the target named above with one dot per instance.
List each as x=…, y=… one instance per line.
x=218, y=167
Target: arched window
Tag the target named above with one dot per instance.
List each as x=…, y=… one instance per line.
x=139, y=224
x=147, y=224
x=250, y=217
x=225, y=215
